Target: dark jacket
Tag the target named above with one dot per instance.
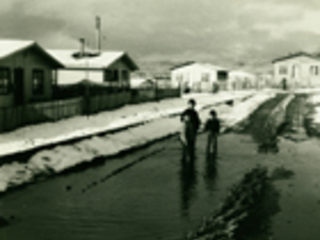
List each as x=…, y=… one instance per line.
x=212, y=126
x=194, y=118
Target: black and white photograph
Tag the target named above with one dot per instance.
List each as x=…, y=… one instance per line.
x=159, y=120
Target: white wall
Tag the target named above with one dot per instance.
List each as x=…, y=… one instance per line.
x=192, y=75
x=74, y=76
x=298, y=73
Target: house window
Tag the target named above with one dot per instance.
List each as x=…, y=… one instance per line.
x=4, y=81
x=125, y=78
x=125, y=75
x=222, y=75
x=54, y=77
x=108, y=75
x=179, y=78
x=283, y=70
x=37, y=82
x=205, y=77
x=115, y=75
x=314, y=70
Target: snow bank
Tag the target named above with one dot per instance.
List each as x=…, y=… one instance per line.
x=244, y=109
x=314, y=114
x=62, y=157
x=314, y=99
x=36, y=136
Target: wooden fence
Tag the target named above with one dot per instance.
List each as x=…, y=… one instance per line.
x=167, y=93
x=18, y=116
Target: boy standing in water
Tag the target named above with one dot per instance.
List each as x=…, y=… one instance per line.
x=190, y=124
x=186, y=137
x=212, y=126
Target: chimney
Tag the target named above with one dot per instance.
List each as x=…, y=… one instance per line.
x=82, y=47
x=98, y=33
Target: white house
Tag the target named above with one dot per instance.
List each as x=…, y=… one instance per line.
x=198, y=76
x=300, y=70
x=240, y=79
x=113, y=68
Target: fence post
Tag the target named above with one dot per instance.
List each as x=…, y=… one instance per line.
x=156, y=90
x=86, y=100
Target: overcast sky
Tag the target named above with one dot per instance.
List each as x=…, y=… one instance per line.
x=250, y=31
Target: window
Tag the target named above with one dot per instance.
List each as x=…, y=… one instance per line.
x=179, y=78
x=125, y=75
x=108, y=75
x=125, y=78
x=314, y=70
x=115, y=75
x=54, y=77
x=283, y=70
x=205, y=77
x=38, y=81
x=4, y=81
x=222, y=75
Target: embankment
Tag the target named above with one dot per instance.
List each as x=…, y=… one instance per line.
x=60, y=158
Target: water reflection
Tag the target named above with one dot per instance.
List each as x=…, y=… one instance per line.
x=210, y=174
x=269, y=145
x=259, y=223
x=188, y=181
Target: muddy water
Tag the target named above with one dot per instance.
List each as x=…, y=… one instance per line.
x=160, y=198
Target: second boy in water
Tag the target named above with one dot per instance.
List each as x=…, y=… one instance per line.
x=212, y=127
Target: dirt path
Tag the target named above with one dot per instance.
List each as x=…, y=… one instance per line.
x=256, y=126
x=294, y=128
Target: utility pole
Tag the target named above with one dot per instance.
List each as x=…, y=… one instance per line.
x=98, y=34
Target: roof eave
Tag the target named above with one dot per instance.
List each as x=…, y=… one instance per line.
x=56, y=61
x=18, y=50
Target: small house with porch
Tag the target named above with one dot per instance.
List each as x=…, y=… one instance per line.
x=110, y=68
x=26, y=72
x=299, y=70
x=199, y=77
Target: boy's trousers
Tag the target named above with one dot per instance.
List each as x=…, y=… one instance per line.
x=212, y=143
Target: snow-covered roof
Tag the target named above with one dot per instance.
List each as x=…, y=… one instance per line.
x=298, y=54
x=98, y=61
x=9, y=47
x=136, y=82
x=205, y=65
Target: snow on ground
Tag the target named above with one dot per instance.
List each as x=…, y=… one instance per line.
x=34, y=136
x=314, y=101
x=62, y=157
x=243, y=109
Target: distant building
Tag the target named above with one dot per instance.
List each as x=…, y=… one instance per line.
x=199, y=77
x=111, y=68
x=163, y=80
x=240, y=79
x=298, y=70
x=264, y=80
x=26, y=72
x=142, y=81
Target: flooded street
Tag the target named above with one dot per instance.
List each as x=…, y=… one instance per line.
x=150, y=194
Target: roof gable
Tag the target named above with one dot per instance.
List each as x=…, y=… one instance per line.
x=296, y=55
x=11, y=47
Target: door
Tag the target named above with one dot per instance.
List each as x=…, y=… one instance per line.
x=19, y=86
